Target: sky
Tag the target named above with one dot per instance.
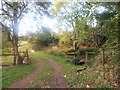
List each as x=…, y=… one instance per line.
x=28, y=23
x=0, y=4
x=32, y=22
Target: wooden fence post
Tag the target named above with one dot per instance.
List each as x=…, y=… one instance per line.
x=103, y=56
x=74, y=56
x=27, y=54
x=86, y=56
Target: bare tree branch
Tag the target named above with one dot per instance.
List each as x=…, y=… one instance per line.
x=3, y=14
x=21, y=11
x=8, y=4
x=72, y=22
x=2, y=24
x=6, y=13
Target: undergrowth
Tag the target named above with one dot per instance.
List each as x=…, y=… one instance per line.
x=96, y=75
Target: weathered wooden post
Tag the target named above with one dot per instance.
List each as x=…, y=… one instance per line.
x=102, y=56
x=74, y=56
x=87, y=57
x=27, y=54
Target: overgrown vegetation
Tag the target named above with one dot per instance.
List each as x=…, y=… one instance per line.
x=94, y=76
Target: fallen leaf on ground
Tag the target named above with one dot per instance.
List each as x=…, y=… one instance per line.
x=88, y=86
x=48, y=86
x=31, y=82
x=64, y=75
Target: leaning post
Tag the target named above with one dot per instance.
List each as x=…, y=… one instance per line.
x=102, y=56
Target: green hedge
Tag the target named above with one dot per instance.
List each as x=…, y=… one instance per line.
x=53, y=52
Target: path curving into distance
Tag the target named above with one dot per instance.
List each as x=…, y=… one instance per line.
x=56, y=80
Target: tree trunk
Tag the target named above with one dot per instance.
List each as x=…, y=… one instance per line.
x=15, y=36
x=15, y=44
x=14, y=59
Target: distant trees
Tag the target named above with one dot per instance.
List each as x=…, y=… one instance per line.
x=42, y=38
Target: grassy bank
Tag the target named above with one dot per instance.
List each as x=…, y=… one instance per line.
x=95, y=76
x=15, y=73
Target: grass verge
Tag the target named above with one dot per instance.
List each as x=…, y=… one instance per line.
x=15, y=73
